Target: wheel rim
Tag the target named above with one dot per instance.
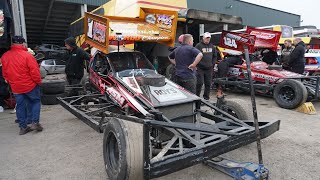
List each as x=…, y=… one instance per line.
x=113, y=152
x=287, y=93
x=230, y=111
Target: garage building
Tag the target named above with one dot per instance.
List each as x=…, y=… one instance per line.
x=47, y=21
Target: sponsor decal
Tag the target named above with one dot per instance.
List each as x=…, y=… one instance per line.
x=164, y=20
x=167, y=93
x=265, y=38
x=237, y=41
x=263, y=35
x=234, y=71
x=99, y=32
x=151, y=18
x=115, y=95
x=263, y=76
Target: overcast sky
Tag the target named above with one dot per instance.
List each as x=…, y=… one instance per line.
x=309, y=10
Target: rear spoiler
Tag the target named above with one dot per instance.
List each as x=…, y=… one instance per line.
x=152, y=25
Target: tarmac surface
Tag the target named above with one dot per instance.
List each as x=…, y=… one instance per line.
x=69, y=149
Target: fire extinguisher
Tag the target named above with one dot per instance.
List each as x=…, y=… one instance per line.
x=156, y=63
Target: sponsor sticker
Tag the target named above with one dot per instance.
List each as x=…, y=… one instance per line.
x=167, y=93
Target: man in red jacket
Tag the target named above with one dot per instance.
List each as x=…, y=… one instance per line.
x=21, y=71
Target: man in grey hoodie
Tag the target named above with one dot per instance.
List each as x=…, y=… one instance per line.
x=205, y=66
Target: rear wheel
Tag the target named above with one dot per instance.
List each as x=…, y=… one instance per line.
x=316, y=74
x=290, y=94
x=123, y=150
x=238, y=108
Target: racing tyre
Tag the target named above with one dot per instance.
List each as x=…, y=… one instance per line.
x=316, y=74
x=290, y=94
x=123, y=150
x=50, y=99
x=238, y=108
x=53, y=86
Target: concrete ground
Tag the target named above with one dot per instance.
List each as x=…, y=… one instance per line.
x=69, y=149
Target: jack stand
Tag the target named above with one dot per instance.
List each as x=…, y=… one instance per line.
x=239, y=171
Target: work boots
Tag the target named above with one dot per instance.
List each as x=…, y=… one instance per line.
x=36, y=126
x=24, y=131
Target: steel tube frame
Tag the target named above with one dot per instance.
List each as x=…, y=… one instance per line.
x=225, y=135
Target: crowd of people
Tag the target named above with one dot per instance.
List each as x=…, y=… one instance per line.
x=194, y=65
x=20, y=71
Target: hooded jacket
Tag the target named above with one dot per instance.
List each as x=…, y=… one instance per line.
x=20, y=69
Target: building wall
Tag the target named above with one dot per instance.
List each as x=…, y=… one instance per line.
x=253, y=15
x=89, y=2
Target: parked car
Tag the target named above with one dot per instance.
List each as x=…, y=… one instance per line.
x=53, y=66
x=51, y=51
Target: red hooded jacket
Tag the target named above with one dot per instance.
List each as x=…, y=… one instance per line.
x=20, y=69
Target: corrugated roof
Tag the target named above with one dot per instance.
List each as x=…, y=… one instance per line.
x=88, y=2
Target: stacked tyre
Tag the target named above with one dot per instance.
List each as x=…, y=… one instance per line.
x=51, y=90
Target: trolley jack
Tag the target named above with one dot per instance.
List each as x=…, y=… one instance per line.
x=239, y=170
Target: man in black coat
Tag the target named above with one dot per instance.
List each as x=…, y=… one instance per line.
x=75, y=64
x=296, y=61
x=205, y=66
x=4, y=92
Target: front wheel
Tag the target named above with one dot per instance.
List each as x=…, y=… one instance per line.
x=123, y=150
x=238, y=108
x=290, y=94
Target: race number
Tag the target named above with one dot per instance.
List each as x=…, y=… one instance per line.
x=230, y=42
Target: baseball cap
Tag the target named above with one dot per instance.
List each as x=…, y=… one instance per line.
x=207, y=35
x=18, y=39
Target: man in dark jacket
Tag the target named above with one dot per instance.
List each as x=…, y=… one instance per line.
x=205, y=66
x=186, y=58
x=285, y=53
x=75, y=64
x=4, y=93
x=296, y=61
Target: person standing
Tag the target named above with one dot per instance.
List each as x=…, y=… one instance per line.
x=285, y=54
x=186, y=58
x=4, y=92
x=296, y=61
x=21, y=71
x=205, y=66
x=75, y=64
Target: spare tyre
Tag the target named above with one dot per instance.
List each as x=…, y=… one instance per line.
x=56, y=86
x=290, y=94
x=50, y=99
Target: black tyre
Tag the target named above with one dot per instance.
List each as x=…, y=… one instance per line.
x=290, y=94
x=238, y=108
x=50, y=99
x=123, y=150
x=170, y=71
x=56, y=86
x=316, y=74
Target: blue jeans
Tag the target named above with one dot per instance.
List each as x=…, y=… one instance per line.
x=28, y=107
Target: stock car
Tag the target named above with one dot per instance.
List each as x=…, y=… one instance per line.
x=288, y=89
x=152, y=126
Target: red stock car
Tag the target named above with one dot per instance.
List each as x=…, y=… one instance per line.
x=288, y=89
